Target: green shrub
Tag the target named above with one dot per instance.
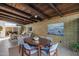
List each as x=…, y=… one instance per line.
x=75, y=46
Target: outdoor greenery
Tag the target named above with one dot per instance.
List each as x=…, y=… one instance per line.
x=75, y=47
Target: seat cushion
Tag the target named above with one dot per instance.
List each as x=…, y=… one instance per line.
x=52, y=53
x=46, y=54
x=27, y=46
x=20, y=40
x=45, y=49
x=53, y=47
x=31, y=51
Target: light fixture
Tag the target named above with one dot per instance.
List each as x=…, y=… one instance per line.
x=36, y=16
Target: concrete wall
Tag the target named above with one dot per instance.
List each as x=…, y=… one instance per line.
x=70, y=33
x=40, y=28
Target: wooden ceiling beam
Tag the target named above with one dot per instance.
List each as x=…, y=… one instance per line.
x=40, y=15
x=4, y=18
x=9, y=14
x=9, y=19
x=24, y=20
x=19, y=20
x=14, y=15
x=32, y=17
x=56, y=9
x=38, y=10
x=16, y=11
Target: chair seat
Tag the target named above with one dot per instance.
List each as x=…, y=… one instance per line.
x=45, y=50
x=48, y=45
x=31, y=52
x=50, y=50
x=27, y=47
x=46, y=54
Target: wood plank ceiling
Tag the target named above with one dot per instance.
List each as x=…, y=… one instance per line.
x=26, y=13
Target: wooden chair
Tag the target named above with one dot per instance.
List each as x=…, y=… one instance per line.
x=21, y=41
x=28, y=50
x=51, y=51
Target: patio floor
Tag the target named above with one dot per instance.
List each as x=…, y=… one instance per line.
x=10, y=48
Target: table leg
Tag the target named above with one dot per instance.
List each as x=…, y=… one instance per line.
x=22, y=51
x=39, y=50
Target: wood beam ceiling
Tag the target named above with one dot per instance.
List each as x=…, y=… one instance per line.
x=56, y=9
x=27, y=15
x=17, y=12
x=5, y=18
x=38, y=10
x=40, y=14
x=13, y=15
x=18, y=20
x=74, y=8
x=23, y=9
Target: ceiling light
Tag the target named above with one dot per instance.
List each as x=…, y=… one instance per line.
x=36, y=16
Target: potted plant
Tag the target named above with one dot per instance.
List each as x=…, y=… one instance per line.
x=75, y=47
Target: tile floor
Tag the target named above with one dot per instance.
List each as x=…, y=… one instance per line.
x=9, y=48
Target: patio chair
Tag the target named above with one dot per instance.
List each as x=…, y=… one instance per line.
x=21, y=41
x=51, y=51
x=29, y=50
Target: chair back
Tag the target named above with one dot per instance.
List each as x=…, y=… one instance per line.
x=53, y=47
x=27, y=46
x=20, y=40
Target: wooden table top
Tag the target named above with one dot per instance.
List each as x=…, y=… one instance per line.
x=42, y=41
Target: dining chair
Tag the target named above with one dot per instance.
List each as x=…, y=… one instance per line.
x=21, y=41
x=29, y=50
x=49, y=44
x=51, y=51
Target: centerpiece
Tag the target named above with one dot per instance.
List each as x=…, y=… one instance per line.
x=36, y=39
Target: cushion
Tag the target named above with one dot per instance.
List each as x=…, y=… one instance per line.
x=46, y=49
x=27, y=46
x=32, y=51
x=53, y=47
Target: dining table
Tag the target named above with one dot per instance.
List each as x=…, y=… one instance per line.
x=42, y=42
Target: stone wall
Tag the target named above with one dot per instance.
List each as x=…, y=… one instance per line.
x=70, y=29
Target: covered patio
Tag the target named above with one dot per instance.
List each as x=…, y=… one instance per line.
x=48, y=28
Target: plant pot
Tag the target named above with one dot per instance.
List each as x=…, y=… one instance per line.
x=76, y=53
